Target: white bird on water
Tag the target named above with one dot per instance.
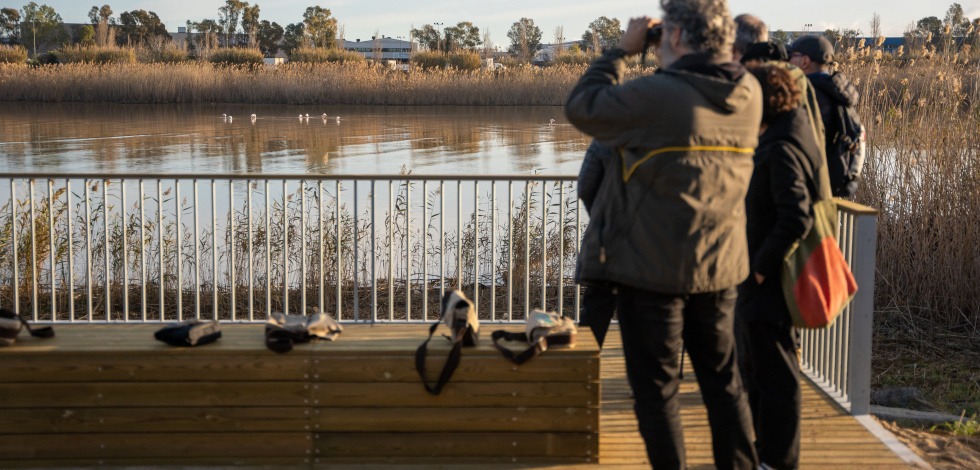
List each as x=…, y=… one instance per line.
x=338, y=119
x=229, y=119
x=551, y=123
x=324, y=115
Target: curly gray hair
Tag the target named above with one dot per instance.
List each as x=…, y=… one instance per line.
x=706, y=25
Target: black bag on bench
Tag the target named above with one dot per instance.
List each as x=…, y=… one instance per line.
x=464, y=327
x=11, y=323
x=543, y=330
x=189, y=333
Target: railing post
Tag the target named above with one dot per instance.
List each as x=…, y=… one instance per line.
x=862, y=313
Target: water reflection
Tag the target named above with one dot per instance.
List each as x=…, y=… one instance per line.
x=95, y=137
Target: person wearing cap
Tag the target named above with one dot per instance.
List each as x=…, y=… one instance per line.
x=814, y=55
x=753, y=47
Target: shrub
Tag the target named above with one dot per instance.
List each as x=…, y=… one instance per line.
x=86, y=35
x=236, y=56
x=167, y=54
x=12, y=54
x=93, y=54
x=574, y=58
x=464, y=60
x=320, y=55
x=428, y=60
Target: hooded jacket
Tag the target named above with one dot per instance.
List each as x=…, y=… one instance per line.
x=778, y=211
x=669, y=215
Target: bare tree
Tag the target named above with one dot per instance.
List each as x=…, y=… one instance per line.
x=104, y=35
x=559, y=38
x=875, y=25
x=487, y=48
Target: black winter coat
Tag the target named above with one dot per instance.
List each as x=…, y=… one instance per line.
x=592, y=171
x=833, y=90
x=778, y=212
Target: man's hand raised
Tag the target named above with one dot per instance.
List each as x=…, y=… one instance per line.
x=634, y=40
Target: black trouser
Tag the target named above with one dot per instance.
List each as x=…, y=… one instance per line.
x=773, y=371
x=652, y=326
x=598, y=308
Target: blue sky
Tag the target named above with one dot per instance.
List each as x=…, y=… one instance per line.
x=361, y=18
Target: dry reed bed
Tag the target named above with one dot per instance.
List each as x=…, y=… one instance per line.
x=923, y=173
x=349, y=83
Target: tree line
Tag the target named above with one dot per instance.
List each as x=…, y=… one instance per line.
x=238, y=24
x=930, y=32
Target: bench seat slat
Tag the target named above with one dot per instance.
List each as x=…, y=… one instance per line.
x=154, y=419
x=154, y=368
x=517, y=419
x=340, y=445
x=285, y=367
x=140, y=394
x=152, y=445
x=458, y=395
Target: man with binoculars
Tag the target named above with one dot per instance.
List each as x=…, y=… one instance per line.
x=667, y=229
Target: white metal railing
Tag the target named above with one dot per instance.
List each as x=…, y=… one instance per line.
x=157, y=248
x=237, y=247
x=838, y=358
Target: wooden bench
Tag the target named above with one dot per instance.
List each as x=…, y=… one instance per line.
x=111, y=394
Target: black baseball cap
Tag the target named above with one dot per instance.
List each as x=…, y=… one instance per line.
x=814, y=46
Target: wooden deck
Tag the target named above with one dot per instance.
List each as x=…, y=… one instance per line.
x=831, y=438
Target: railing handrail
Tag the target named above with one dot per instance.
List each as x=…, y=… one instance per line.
x=854, y=208
x=838, y=358
x=335, y=247
x=286, y=176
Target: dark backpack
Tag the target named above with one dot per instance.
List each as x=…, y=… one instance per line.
x=845, y=150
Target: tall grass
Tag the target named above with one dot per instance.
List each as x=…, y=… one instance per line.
x=236, y=56
x=79, y=54
x=330, y=83
x=923, y=173
x=461, y=60
x=320, y=55
x=12, y=54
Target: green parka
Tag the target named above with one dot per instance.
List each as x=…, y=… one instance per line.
x=669, y=215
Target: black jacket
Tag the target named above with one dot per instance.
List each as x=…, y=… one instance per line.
x=778, y=211
x=593, y=169
x=833, y=91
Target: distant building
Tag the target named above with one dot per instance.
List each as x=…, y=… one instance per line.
x=391, y=48
x=548, y=51
x=890, y=45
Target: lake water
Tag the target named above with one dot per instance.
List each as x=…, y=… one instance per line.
x=120, y=138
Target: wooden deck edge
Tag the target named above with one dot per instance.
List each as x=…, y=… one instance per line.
x=880, y=433
x=889, y=439
x=824, y=387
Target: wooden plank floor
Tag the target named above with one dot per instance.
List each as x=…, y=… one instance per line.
x=831, y=438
